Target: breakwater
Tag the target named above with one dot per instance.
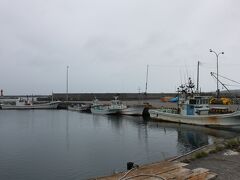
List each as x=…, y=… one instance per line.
x=109, y=96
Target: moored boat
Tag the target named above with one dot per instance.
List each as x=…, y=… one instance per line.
x=194, y=109
x=21, y=104
x=115, y=107
x=80, y=108
x=133, y=110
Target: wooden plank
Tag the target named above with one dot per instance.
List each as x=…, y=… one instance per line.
x=180, y=173
x=157, y=168
x=198, y=174
x=154, y=170
x=167, y=170
x=211, y=175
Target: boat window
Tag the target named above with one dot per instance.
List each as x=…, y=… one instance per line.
x=192, y=101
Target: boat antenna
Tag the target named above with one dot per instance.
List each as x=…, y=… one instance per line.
x=181, y=76
x=186, y=75
x=190, y=85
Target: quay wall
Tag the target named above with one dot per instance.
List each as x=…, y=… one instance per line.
x=109, y=96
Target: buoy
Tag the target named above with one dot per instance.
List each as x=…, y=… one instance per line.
x=131, y=165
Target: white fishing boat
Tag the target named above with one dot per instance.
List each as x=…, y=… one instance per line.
x=194, y=109
x=133, y=110
x=21, y=104
x=7, y=100
x=115, y=107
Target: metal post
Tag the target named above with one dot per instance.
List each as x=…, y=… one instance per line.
x=217, y=78
x=198, y=77
x=67, y=85
x=217, y=54
x=146, y=80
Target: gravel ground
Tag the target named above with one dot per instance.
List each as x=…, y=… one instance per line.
x=226, y=166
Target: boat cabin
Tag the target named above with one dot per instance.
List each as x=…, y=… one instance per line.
x=116, y=103
x=197, y=105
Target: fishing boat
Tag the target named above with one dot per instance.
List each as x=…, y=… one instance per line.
x=21, y=104
x=194, y=109
x=80, y=108
x=133, y=110
x=7, y=100
x=115, y=107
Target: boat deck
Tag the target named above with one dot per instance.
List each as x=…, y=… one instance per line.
x=163, y=170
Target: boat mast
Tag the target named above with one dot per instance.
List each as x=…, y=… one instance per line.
x=52, y=95
x=139, y=93
x=198, y=77
x=146, y=80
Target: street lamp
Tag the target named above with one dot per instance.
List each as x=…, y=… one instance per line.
x=67, y=85
x=217, y=54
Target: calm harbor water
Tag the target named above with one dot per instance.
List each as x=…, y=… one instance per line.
x=60, y=144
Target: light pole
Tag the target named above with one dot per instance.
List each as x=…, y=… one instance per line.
x=146, y=81
x=217, y=54
x=67, y=85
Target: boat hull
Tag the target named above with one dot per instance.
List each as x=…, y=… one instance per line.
x=230, y=119
x=105, y=111
x=51, y=105
x=133, y=111
x=80, y=108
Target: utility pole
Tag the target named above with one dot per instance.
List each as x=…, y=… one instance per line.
x=67, y=85
x=146, y=81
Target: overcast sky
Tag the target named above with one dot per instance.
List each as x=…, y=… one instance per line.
x=107, y=44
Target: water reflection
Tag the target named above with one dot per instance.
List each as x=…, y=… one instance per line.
x=190, y=137
x=67, y=131
x=116, y=122
x=189, y=140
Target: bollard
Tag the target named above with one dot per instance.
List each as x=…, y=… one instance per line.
x=130, y=165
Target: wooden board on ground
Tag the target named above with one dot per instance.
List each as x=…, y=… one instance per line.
x=165, y=170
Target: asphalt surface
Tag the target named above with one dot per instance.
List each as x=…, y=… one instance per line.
x=224, y=163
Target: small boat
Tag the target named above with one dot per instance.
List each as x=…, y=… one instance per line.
x=115, y=107
x=195, y=109
x=134, y=110
x=21, y=104
x=8, y=100
x=173, y=100
x=80, y=108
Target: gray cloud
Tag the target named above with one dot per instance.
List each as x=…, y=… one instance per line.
x=108, y=44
